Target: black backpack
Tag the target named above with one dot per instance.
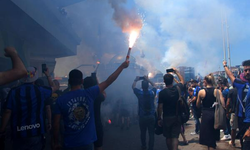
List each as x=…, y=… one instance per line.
x=182, y=109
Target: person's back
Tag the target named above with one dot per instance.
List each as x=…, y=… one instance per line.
x=27, y=104
x=146, y=110
x=146, y=101
x=209, y=99
x=233, y=100
x=170, y=97
x=76, y=108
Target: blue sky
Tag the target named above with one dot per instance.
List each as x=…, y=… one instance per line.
x=174, y=33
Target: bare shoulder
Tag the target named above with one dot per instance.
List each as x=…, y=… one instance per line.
x=202, y=93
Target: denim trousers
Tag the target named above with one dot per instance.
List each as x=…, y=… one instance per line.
x=197, y=121
x=228, y=127
x=147, y=123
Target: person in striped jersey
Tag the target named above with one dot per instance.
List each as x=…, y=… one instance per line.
x=24, y=108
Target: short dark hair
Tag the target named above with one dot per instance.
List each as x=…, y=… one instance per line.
x=223, y=81
x=246, y=63
x=144, y=84
x=168, y=79
x=89, y=82
x=75, y=77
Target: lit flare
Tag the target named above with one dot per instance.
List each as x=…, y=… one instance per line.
x=132, y=38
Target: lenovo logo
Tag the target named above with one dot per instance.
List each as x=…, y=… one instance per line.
x=28, y=127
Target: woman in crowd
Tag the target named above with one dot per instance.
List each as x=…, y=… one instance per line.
x=208, y=135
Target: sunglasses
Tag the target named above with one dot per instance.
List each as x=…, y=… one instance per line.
x=247, y=70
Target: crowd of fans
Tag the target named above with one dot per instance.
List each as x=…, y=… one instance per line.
x=73, y=116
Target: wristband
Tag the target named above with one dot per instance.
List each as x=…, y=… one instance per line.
x=225, y=66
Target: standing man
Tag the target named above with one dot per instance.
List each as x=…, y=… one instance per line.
x=18, y=70
x=168, y=98
x=196, y=111
x=223, y=83
x=87, y=83
x=25, y=106
x=76, y=107
x=243, y=104
x=231, y=109
x=146, y=111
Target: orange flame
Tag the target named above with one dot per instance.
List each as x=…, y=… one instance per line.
x=132, y=38
x=109, y=121
x=98, y=62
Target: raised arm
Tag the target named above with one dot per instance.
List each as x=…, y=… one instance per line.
x=149, y=81
x=18, y=69
x=179, y=76
x=51, y=83
x=113, y=76
x=135, y=81
x=228, y=72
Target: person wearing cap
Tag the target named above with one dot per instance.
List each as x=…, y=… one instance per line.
x=18, y=70
x=76, y=107
x=196, y=111
x=243, y=103
x=24, y=108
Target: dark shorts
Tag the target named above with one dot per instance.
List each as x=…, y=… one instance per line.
x=99, y=133
x=30, y=143
x=171, y=127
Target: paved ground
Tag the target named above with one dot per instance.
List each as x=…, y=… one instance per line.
x=117, y=139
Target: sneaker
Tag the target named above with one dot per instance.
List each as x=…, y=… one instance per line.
x=193, y=133
x=226, y=137
x=231, y=144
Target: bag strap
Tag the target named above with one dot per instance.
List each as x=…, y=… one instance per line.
x=240, y=102
x=177, y=103
x=218, y=97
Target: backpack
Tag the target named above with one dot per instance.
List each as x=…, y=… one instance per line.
x=182, y=108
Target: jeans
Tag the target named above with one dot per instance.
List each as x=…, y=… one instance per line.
x=197, y=121
x=30, y=143
x=147, y=123
x=228, y=129
x=87, y=147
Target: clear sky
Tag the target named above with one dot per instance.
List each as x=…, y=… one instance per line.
x=174, y=33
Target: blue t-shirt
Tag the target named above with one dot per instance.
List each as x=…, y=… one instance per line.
x=225, y=94
x=244, y=96
x=26, y=103
x=77, y=110
x=146, y=101
x=196, y=91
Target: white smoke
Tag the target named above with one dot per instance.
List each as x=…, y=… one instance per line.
x=126, y=19
x=189, y=31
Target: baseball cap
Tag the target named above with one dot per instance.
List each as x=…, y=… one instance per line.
x=32, y=75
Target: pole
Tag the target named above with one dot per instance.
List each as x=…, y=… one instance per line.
x=128, y=55
x=228, y=46
x=223, y=36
